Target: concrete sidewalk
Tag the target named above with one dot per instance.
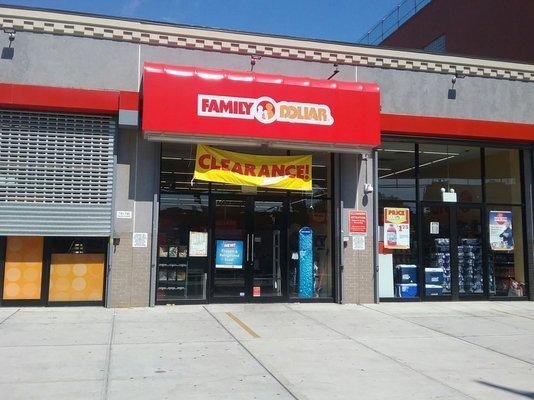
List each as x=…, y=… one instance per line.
x=475, y=350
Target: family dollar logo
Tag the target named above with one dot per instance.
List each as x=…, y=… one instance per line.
x=263, y=109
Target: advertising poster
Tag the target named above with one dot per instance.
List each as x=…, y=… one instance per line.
x=396, y=228
x=229, y=254
x=198, y=244
x=306, y=262
x=500, y=230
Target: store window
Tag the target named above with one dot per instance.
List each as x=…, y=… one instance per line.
x=177, y=168
x=506, y=258
x=396, y=171
x=450, y=168
x=310, y=255
x=503, y=176
x=292, y=233
x=182, y=247
x=397, y=258
x=470, y=244
x=310, y=235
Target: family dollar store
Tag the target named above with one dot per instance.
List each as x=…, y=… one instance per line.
x=162, y=164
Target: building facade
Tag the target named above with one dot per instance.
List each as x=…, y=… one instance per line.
x=138, y=166
x=496, y=29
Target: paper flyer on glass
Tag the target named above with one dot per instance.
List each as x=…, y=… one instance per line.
x=396, y=228
x=500, y=230
x=198, y=244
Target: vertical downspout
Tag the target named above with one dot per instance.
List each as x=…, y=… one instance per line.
x=375, y=227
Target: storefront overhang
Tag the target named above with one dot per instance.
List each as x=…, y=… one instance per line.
x=188, y=104
x=50, y=98
x=72, y=100
x=455, y=128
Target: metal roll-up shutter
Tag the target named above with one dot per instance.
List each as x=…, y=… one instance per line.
x=56, y=174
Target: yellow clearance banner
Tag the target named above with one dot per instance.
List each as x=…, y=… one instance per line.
x=276, y=172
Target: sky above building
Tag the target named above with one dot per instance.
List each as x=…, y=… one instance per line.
x=339, y=20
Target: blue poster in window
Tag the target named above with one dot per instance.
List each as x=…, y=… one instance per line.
x=306, y=262
x=229, y=254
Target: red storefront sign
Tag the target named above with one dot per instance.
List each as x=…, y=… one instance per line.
x=190, y=101
x=358, y=222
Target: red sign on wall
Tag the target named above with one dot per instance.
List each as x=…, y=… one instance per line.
x=205, y=103
x=357, y=222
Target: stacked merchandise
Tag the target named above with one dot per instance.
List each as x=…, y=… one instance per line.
x=501, y=272
x=440, y=264
x=406, y=280
x=470, y=270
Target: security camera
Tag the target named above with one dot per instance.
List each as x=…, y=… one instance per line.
x=11, y=33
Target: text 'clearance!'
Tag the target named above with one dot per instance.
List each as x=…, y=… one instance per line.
x=277, y=172
x=263, y=109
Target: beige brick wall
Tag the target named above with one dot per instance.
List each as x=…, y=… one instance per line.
x=130, y=275
x=358, y=279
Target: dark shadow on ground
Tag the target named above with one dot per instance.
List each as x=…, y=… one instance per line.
x=528, y=395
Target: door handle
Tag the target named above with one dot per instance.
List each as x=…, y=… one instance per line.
x=248, y=247
x=252, y=252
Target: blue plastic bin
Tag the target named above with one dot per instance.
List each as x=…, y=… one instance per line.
x=434, y=276
x=433, y=290
x=406, y=290
x=406, y=273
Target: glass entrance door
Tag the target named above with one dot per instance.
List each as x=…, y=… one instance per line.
x=437, y=258
x=249, y=244
x=268, y=248
x=452, y=252
x=231, y=248
x=470, y=253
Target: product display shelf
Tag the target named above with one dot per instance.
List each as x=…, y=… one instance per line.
x=470, y=267
x=405, y=276
x=502, y=272
x=172, y=276
x=439, y=262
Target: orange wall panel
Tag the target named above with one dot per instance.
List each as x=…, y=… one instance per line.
x=23, y=268
x=76, y=277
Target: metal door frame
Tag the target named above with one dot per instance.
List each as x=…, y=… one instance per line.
x=453, y=246
x=248, y=243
